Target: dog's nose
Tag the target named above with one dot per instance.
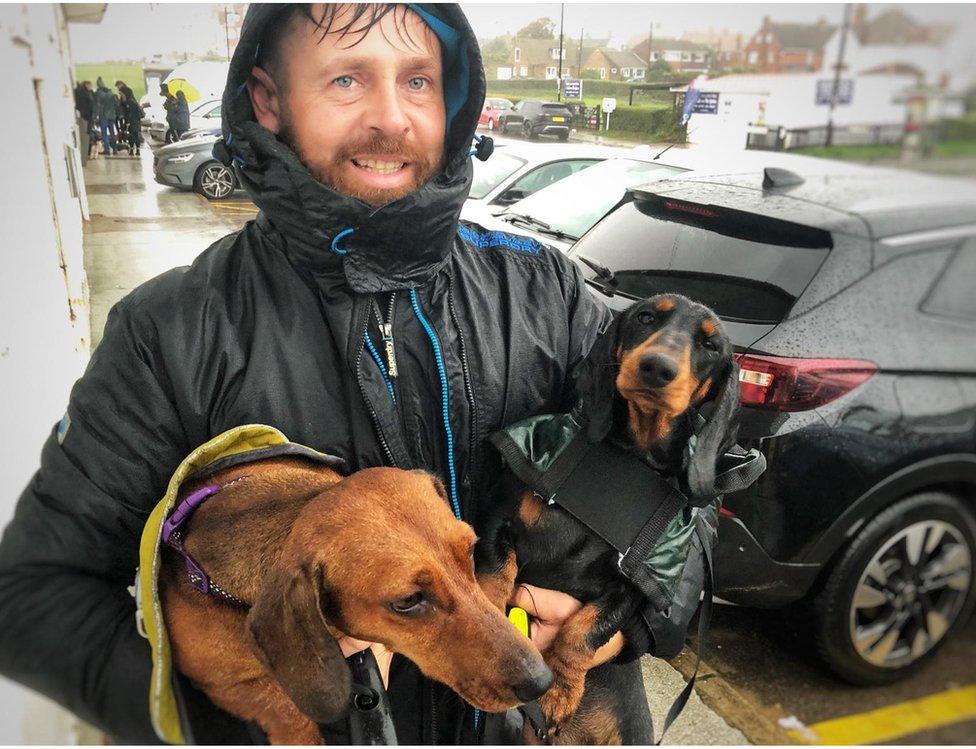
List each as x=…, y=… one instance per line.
x=657, y=370
x=535, y=684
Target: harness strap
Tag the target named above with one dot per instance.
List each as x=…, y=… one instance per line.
x=704, y=620
x=631, y=518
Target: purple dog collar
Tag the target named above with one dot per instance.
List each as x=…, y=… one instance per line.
x=173, y=537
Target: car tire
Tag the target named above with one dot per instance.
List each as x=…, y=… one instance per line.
x=214, y=181
x=527, y=131
x=898, y=591
x=563, y=137
x=491, y=124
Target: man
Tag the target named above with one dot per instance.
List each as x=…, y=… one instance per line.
x=106, y=110
x=85, y=106
x=351, y=128
x=169, y=105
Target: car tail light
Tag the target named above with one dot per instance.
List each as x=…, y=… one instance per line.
x=783, y=384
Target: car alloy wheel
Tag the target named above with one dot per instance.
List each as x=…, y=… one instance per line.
x=216, y=181
x=491, y=124
x=898, y=590
x=911, y=592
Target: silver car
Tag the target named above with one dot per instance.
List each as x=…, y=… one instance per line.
x=190, y=165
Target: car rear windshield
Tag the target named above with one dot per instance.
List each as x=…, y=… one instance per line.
x=576, y=203
x=741, y=277
x=489, y=174
x=556, y=109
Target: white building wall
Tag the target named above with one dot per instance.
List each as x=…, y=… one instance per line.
x=44, y=321
x=789, y=100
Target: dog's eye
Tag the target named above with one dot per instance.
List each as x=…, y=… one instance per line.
x=409, y=605
x=646, y=318
x=709, y=344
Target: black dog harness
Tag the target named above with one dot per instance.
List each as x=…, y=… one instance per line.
x=644, y=504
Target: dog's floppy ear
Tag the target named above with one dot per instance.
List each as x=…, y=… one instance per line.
x=718, y=434
x=596, y=383
x=290, y=638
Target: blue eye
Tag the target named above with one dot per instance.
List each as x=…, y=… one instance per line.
x=345, y=81
x=422, y=82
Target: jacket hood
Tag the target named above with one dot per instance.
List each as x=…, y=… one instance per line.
x=399, y=245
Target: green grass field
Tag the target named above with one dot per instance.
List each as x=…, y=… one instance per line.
x=110, y=72
x=943, y=149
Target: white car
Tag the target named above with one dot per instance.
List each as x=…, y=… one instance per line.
x=561, y=214
x=517, y=170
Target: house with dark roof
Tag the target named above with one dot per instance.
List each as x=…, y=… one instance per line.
x=539, y=58
x=895, y=27
x=788, y=47
x=615, y=65
x=679, y=54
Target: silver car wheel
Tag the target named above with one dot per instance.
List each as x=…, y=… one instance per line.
x=217, y=181
x=491, y=124
x=910, y=593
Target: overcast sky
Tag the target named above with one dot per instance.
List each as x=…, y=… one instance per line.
x=138, y=31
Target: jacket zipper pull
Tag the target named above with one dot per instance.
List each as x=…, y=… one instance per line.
x=391, y=365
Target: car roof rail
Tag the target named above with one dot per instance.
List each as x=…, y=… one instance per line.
x=776, y=177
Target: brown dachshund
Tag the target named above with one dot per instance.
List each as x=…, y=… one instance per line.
x=301, y=556
x=639, y=388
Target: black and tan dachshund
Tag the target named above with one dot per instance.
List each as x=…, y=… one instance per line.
x=640, y=386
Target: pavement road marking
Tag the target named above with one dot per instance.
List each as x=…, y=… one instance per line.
x=893, y=721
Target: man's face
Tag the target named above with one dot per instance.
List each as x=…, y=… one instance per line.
x=365, y=114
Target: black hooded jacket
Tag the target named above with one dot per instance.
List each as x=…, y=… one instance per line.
x=268, y=326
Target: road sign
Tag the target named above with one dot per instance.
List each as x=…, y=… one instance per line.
x=572, y=88
x=845, y=91
x=609, y=104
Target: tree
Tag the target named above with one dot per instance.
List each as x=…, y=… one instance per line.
x=540, y=28
x=495, y=51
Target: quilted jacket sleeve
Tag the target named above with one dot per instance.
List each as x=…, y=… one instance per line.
x=67, y=624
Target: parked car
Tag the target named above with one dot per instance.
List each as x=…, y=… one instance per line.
x=848, y=293
x=533, y=118
x=517, y=170
x=199, y=132
x=561, y=214
x=204, y=114
x=190, y=165
x=492, y=112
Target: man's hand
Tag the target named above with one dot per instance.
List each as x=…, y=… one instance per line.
x=549, y=610
x=349, y=645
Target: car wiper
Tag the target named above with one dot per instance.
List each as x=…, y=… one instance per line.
x=602, y=272
x=540, y=226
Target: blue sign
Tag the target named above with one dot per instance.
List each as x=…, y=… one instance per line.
x=845, y=91
x=572, y=88
x=707, y=103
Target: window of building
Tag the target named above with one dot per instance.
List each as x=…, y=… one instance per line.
x=770, y=58
x=753, y=57
x=686, y=57
x=518, y=54
x=625, y=72
x=603, y=73
x=550, y=73
x=523, y=71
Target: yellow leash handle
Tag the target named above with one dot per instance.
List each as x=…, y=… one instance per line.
x=520, y=618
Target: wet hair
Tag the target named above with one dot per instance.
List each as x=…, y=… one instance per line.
x=364, y=17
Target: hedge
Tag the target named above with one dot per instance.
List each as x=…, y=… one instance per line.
x=617, y=89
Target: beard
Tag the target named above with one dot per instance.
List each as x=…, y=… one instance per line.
x=335, y=175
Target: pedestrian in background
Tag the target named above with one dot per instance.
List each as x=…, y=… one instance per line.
x=181, y=118
x=133, y=119
x=85, y=105
x=106, y=109
x=169, y=104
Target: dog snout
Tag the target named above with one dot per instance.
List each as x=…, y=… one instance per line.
x=535, y=683
x=657, y=370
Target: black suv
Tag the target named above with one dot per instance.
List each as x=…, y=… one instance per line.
x=850, y=294
x=534, y=118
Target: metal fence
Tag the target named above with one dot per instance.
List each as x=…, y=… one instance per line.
x=783, y=139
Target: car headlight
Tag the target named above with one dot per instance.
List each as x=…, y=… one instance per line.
x=181, y=158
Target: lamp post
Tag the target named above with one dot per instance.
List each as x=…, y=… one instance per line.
x=838, y=68
x=559, y=73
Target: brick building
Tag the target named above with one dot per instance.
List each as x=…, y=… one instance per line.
x=788, y=47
